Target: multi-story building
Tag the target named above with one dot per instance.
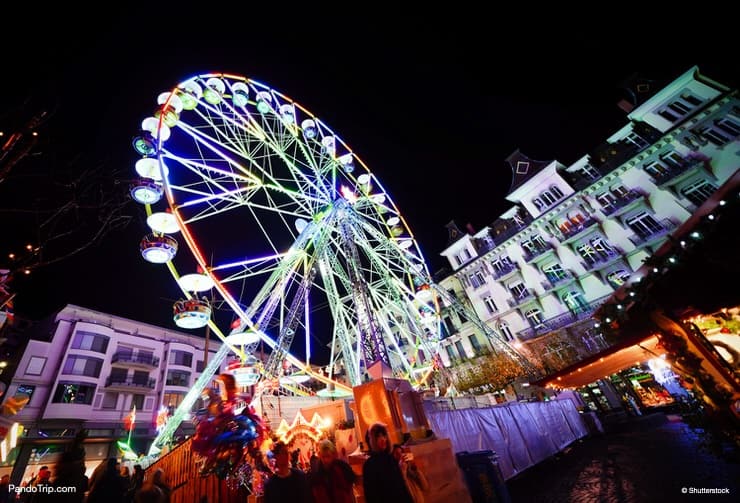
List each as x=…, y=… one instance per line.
x=576, y=234
x=89, y=371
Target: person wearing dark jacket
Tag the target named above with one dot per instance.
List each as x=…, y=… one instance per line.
x=382, y=480
x=332, y=480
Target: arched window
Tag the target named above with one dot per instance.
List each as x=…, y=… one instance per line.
x=505, y=331
x=556, y=191
x=538, y=203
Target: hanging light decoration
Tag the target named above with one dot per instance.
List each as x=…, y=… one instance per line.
x=309, y=129
x=158, y=249
x=163, y=223
x=195, y=282
x=189, y=94
x=240, y=94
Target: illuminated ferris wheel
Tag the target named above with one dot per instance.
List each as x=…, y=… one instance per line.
x=290, y=229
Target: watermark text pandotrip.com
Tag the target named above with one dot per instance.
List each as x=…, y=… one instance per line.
x=705, y=490
x=42, y=489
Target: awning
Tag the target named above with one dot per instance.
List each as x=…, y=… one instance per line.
x=600, y=367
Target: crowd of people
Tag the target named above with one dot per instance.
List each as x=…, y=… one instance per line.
x=388, y=474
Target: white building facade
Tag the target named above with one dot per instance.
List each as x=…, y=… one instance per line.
x=91, y=373
x=576, y=234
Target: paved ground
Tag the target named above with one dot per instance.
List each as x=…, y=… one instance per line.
x=649, y=459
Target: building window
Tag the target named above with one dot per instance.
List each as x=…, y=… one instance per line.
x=180, y=358
x=199, y=366
x=475, y=344
x=554, y=273
x=447, y=327
x=110, y=401
x=69, y=392
x=637, y=140
x=588, y=172
x=503, y=327
x=538, y=203
x=461, y=349
x=656, y=169
x=713, y=135
x=728, y=125
x=644, y=225
x=672, y=159
x=35, y=366
x=477, y=279
x=141, y=377
x=680, y=107
x=601, y=247
x=82, y=366
x=606, y=200
x=535, y=318
x=490, y=304
x=451, y=353
x=25, y=389
x=172, y=399
x=617, y=278
x=90, y=342
x=138, y=401
x=534, y=244
x=587, y=251
x=518, y=290
x=698, y=192
x=502, y=264
x=178, y=378
x=462, y=257
x=575, y=302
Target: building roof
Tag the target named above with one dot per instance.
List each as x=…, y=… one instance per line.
x=523, y=168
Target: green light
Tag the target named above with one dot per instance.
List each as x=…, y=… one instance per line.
x=263, y=107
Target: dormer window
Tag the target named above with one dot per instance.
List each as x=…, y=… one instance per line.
x=680, y=107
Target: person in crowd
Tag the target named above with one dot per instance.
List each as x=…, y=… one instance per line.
x=159, y=479
x=126, y=475
x=137, y=480
x=382, y=480
x=333, y=478
x=110, y=486
x=4, y=489
x=416, y=481
x=286, y=484
x=149, y=493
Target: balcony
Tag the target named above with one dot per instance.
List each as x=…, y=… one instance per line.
x=673, y=172
x=621, y=204
x=530, y=255
x=571, y=231
x=639, y=240
x=562, y=320
x=128, y=384
x=560, y=281
x=601, y=259
x=504, y=270
x=135, y=360
x=522, y=297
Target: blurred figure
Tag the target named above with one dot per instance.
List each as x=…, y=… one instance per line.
x=110, y=486
x=382, y=480
x=159, y=479
x=416, y=481
x=286, y=484
x=137, y=481
x=4, y=489
x=333, y=478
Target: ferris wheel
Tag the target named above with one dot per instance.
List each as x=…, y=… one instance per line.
x=289, y=228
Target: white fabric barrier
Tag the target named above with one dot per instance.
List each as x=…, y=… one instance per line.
x=521, y=434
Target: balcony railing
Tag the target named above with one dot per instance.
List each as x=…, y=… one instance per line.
x=503, y=271
x=675, y=170
x=553, y=282
x=621, y=202
x=129, y=383
x=666, y=226
x=600, y=259
x=126, y=357
x=562, y=320
x=530, y=255
x=574, y=230
x=525, y=295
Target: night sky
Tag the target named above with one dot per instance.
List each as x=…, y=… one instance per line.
x=433, y=103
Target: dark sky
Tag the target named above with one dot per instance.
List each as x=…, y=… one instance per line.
x=432, y=102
